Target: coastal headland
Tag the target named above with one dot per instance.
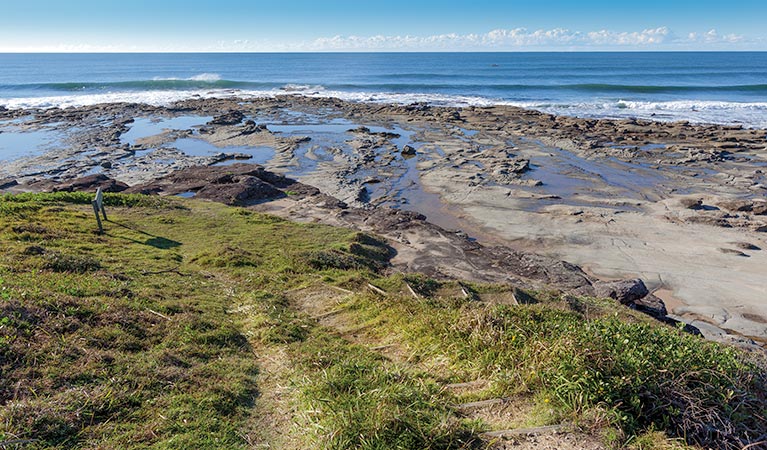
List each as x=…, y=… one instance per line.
x=497, y=194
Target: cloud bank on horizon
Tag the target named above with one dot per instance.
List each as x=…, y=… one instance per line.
x=394, y=25
x=523, y=39
x=516, y=39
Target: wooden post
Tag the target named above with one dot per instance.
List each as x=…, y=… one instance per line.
x=98, y=217
x=100, y=201
x=98, y=206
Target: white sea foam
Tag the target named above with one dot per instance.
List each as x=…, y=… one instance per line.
x=752, y=114
x=302, y=88
x=206, y=77
x=155, y=98
x=747, y=114
x=725, y=113
x=404, y=99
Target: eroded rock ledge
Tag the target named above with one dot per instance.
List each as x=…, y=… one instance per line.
x=607, y=194
x=421, y=246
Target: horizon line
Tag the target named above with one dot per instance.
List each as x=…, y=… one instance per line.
x=161, y=52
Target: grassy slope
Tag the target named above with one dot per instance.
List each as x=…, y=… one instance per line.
x=195, y=325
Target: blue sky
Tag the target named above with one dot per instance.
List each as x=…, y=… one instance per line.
x=343, y=25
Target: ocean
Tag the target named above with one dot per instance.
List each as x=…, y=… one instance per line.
x=703, y=87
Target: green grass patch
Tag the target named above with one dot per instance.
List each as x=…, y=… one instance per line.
x=359, y=400
x=614, y=365
x=35, y=200
x=149, y=336
x=123, y=340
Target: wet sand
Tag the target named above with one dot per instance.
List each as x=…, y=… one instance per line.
x=679, y=205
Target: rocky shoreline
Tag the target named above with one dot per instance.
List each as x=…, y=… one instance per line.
x=420, y=245
x=679, y=205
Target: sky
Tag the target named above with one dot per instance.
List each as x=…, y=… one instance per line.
x=392, y=25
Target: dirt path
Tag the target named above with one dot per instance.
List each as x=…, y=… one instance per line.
x=506, y=418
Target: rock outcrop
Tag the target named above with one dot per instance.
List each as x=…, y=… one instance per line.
x=89, y=183
x=626, y=292
x=236, y=184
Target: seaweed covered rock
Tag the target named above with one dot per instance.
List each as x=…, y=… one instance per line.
x=91, y=183
x=237, y=184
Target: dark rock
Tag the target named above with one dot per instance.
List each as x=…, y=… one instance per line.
x=230, y=118
x=408, y=150
x=387, y=135
x=755, y=207
x=746, y=246
x=716, y=220
x=451, y=115
x=237, y=184
x=362, y=195
x=218, y=157
x=91, y=183
x=241, y=190
x=8, y=183
x=686, y=327
x=394, y=219
x=732, y=251
x=360, y=129
x=691, y=203
x=106, y=164
x=550, y=271
x=520, y=166
x=625, y=291
x=736, y=205
x=461, y=234
x=651, y=305
x=251, y=127
x=418, y=106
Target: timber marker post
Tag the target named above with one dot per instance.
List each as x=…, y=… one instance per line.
x=98, y=206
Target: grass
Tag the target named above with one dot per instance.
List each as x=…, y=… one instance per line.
x=623, y=368
x=159, y=334
x=96, y=353
x=360, y=400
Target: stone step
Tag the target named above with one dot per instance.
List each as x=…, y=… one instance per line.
x=467, y=385
x=482, y=403
x=548, y=429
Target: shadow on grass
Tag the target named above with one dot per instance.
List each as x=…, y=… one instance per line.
x=162, y=243
x=153, y=241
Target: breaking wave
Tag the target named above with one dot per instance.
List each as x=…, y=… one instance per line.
x=749, y=114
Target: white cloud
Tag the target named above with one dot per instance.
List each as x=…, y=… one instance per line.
x=522, y=38
x=713, y=37
x=516, y=39
x=645, y=37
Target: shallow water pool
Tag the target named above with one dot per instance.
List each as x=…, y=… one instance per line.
x=151, y=126
x=15, y=144
x=199, y=147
